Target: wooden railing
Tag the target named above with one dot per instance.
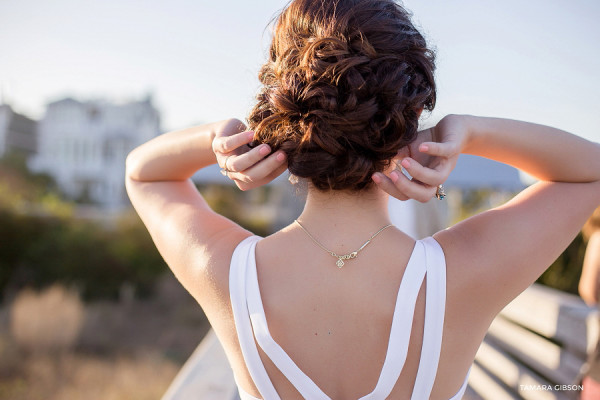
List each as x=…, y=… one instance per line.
x=535, y=348
x=206, y=375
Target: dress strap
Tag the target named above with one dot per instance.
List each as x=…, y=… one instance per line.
x=401, y=325
x=237, y=292
x=435, y=307
x=303, y=384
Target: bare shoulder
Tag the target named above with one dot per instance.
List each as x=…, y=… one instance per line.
x=195, y=242
x=214, y=285
x=463, y=305
x=493, y=256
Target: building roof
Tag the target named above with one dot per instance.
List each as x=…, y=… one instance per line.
x=66, y=100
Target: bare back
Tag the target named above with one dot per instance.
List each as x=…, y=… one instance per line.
x=335, y=323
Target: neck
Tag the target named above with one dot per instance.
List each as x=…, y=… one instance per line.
x=348, y=214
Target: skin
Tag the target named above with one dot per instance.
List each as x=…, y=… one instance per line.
x=316, y=311
x=589, y=283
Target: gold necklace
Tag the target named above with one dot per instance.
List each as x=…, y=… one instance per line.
x=349, y=256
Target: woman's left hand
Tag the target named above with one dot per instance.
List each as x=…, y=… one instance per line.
x=429, y=161
x=247, y=167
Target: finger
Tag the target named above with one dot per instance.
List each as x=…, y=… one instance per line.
x=248, y=159
x=267, y=179
x=428, y=176
x=384, y=183
x=260, y=170
x=411, y=188
x=443, y=167
x=227, y=144
x=277, y=172
x=447, y=149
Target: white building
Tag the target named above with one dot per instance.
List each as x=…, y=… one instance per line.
x=83, y=145
x=17, y=133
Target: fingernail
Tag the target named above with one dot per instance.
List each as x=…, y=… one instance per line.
x=280, y=156
x=264, y=150
x=424, y=147
x=376, y=178
x=250, y=135
x=405, y=163
x=394, y=176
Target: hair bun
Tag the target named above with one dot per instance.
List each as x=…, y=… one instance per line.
x=343, y=89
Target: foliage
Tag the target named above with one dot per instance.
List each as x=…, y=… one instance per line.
x=42, y=242
x=22, y=191
x=38, y=183
x=564, y=273
x=237, y=205
x=40, y=250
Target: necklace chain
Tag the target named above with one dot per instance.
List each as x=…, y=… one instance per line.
x=341, y=258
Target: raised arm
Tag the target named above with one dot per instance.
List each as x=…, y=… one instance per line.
x=187, y=233
x=495, y=255
x=546, y=153
x=177, y=155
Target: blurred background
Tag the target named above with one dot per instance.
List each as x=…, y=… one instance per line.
x=88, y=309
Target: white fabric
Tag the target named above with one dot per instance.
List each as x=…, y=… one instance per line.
x=237, y=291
x=427, y=259
x=246, y=396
x=435, y=305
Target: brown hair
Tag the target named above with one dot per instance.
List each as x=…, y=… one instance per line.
x=592, y=225
x=342, y=89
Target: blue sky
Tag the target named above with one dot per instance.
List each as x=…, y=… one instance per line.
x=535, y=60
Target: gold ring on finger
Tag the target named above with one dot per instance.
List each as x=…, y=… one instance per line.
x=225, y=170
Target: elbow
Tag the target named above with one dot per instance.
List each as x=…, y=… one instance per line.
x=132, y=166
x=587, y=294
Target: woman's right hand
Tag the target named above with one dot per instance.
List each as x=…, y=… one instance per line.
x=247, y=167
x=431, y=164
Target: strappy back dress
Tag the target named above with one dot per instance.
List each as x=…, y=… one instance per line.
x=427, y=258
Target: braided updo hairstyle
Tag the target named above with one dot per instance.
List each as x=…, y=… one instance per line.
x=342, y=89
